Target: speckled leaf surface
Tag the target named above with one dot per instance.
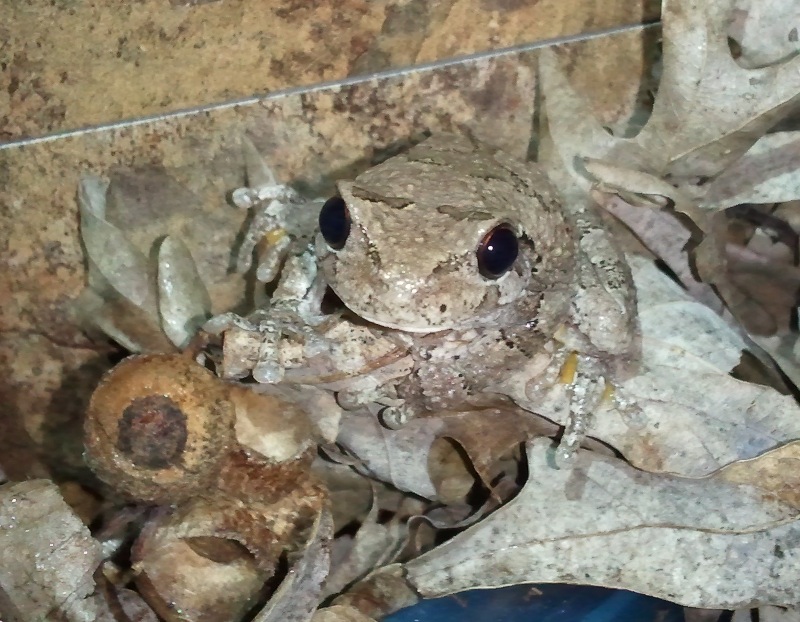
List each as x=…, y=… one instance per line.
x=47, y=556
x=701, y=542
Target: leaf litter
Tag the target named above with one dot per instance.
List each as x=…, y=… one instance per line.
x=688, y=489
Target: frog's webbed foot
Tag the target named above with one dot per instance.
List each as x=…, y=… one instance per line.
x=587, y=387
x=281, y=218
x=248, y=347
x=261, y=343
x=266, y=233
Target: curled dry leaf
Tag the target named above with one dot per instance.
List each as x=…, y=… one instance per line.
x=122, y=298
x=183, y=301
x=374, y=544
x=709, y=543
x=143, y=307
x=411, y=459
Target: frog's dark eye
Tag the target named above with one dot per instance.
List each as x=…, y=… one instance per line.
x=497, y=251
x=334, y=222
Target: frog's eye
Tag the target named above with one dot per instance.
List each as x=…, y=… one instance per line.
x=334, y=222
x=497, y=251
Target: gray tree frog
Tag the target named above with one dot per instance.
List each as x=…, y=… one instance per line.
x=465, y=281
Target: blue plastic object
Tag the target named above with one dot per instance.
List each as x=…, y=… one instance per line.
x=556, y=603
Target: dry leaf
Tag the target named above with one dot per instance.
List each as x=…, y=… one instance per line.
x=47, y=557
x=667, y=238
x=340, y=613
x=777, y=472
x=720, y=107
x=766, y=31
x=785, y=351
x=591, y=525
x=767, y=173
x=183, y=301
x=300, y=592
x=374, y=544
x=403, y=457
x=767, y=614
x=112, y=256
x=779, y=614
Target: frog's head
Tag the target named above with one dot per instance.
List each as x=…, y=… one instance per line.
x=444, y=237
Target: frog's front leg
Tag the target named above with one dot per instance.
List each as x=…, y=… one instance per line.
x=257, y=344
x=587, y=387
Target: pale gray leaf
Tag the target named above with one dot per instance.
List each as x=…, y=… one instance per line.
x=683, y=412
x=765, y=30
x=122, y=266
x=779, y=614
x=768, y=173
x=709, y=110
x=257, y=170
x=47, y=556
x=373, y=545
x=183, y=300
x=785, y=351
x=701, y=543
x=395, y=456
x=92, y=195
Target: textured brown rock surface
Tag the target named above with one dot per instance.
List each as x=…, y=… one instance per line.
x=172, y=176
x=68, y=64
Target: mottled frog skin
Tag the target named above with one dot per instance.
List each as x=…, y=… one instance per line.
x=464, y=260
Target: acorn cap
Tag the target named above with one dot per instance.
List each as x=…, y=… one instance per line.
x=158, y=427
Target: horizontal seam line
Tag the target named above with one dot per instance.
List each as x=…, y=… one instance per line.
x=340, y=82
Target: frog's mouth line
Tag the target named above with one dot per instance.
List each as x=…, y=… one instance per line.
x=332, y=303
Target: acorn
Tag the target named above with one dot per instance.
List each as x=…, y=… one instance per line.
x=159, y=427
